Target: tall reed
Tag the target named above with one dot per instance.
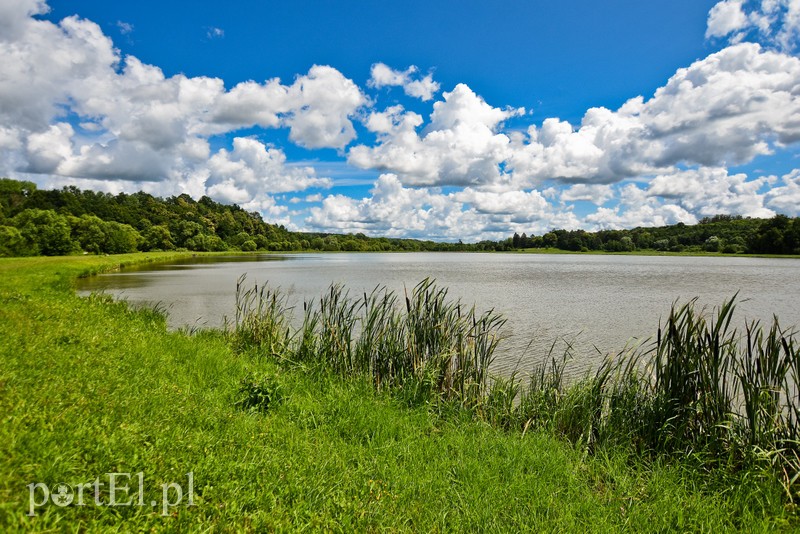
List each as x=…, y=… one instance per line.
x=702, y=388
x=426, y=344
x=262, y=320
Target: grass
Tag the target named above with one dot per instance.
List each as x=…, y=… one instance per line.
x=276, y=441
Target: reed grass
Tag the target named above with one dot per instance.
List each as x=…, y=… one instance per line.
x=726, y=397
x=430, y=348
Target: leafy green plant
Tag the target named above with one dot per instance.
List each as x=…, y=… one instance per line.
x=258, y=395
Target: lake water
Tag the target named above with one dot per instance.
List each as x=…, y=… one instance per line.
x=597, y=302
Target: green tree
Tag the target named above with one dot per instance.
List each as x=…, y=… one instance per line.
x=206, y=243
x=186, y=231
x=661, y=244
x=45, y=232
x=712, y=244
x=121, y=238
x=157, y=237
x=13, y=194
x=12, y=243
x=89, y=232
x=331, y=244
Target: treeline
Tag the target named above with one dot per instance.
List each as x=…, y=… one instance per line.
x=70, y=220
x=729, y=234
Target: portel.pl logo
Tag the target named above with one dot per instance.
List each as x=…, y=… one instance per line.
x=115, y=489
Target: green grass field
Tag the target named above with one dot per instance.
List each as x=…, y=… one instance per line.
x=89, y=387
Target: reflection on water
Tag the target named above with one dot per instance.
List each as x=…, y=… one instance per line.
x=599, y=302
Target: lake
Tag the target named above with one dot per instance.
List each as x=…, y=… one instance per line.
x=597, y=302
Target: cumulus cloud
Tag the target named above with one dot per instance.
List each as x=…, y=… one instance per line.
x=641, y=215
x=688, y=196
x=461, y=145
x=725, y=18
x=775, y=23
x=470, y=214
x=135, y=125
x=322, y=103
x=16, y=15
x=786, y=198
x=381, y=75
x=252, y=169
x=74, y=110
x=710, y=191
x=723, y=110
x=51, y=69
x=597, y=193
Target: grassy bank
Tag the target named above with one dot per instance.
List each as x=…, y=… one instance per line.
x=89, y=387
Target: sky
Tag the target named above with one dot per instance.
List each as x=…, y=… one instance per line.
x=440, y=120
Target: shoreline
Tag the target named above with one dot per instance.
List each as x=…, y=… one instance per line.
x=91, y=387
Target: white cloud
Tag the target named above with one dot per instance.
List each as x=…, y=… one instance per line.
x=317, y=108
x=252, y=170
x=134, y=123
x=725, y=109
x=322, y=103
x=215, y=33
x=725, y=18
x=643, y=215
x=249, y=104
x=686, y=196
x=74, y=110
x=124, y=27
x=775, y=23
x=637, y=208
x=460, y=146
x=15, y=16
x=517, y=206
x=710, y=191
x=381, y=75
x=785, y=199
x=597, y=194
x=424, y=88
x=47, y=150
x=471, y=214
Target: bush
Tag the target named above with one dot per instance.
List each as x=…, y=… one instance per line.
x=258, y=395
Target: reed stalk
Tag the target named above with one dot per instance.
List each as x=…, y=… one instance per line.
x=702, y=388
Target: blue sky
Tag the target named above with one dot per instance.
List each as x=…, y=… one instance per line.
x=442, y=120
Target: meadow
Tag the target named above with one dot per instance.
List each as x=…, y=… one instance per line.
x=379, y=413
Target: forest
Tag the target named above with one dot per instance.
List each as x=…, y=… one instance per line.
x=72, y=221
x=727, y=234
x=67, y=221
